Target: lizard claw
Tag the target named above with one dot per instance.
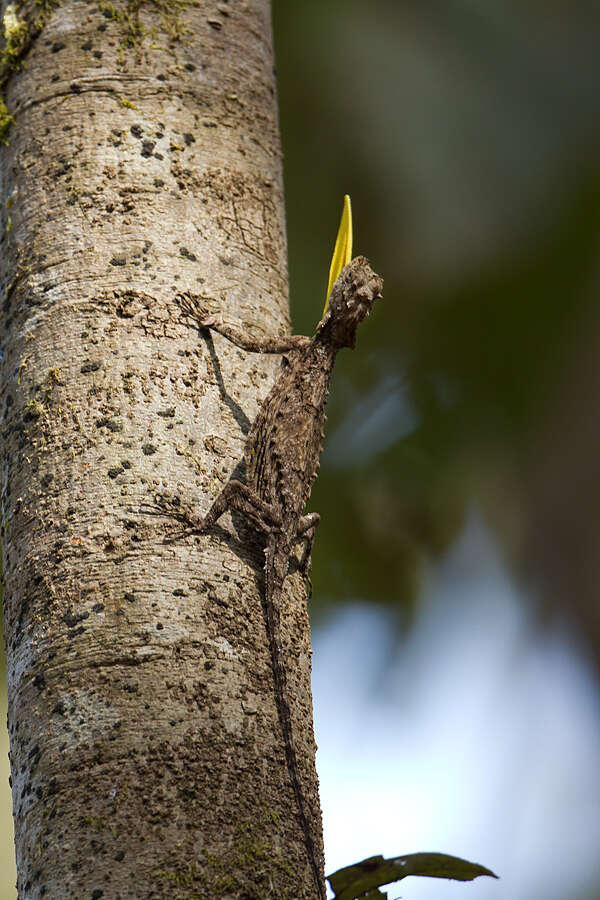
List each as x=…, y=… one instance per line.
x=191, y=308
x=170, y=505
x=309, y=586
x=305, y=568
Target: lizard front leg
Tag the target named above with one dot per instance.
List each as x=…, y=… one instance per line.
x=235, y=334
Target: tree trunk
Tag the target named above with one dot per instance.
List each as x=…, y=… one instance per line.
x=146, y=755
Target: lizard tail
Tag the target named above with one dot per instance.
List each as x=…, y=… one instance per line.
x=275, y=571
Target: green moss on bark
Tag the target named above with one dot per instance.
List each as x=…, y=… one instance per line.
x=20, y=31
x=6, y=120
x=19, y=34
x=133, y=29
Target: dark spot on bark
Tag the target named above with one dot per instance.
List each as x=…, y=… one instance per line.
x=71, y=619
x=120, y=260
x=187, y=254
x=98, y=607
x=215, y=24
x=55, y=77
x=189, y=793
x=115, y=471
x=161, y=77
x=75, y=631
x=120, y=856
x=129, y=596
x=167, y=413
x=39, y=682
x=158, y=182
x=159, y=626
x=97, y=54
x=102, y=25
x=97, y=893
x=87, y=46
x=90, y=367
x=58, y=46
x=137, y=131
x=149, y=449
x=190, y=67
x=64, y=168
x=147, y=148
x=189, y=138
x=111, y=424
x=47, y=479
x=76, y=88
x=179, y=592
x=125, y=463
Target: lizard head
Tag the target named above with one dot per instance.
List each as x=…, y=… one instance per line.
x=350, y=301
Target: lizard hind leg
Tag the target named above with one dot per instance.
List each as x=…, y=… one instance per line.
x=239, y=497
x=307, y=529
x=235, y=496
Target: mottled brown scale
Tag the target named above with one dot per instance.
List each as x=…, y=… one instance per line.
x=284, y=443
x=282, y=457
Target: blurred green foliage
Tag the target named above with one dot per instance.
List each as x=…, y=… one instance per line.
x=466, y=136
x=362, y=879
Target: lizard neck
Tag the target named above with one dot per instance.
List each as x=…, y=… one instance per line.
x=324, y=348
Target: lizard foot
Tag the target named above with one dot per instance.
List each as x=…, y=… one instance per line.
x=196, y=311
x=170, y=506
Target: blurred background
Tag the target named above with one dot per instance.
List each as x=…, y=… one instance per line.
x=456, y=613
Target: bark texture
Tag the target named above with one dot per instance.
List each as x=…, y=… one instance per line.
x=146, y=754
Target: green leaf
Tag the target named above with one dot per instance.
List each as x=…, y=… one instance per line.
x=363, y=878
x=342, y=252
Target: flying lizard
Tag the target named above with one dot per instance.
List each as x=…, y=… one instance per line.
x=281, y=461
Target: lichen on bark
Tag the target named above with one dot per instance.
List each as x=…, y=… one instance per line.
x=22, y=24
x=128, y=15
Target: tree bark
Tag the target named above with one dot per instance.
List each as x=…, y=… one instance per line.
x=144, y=160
